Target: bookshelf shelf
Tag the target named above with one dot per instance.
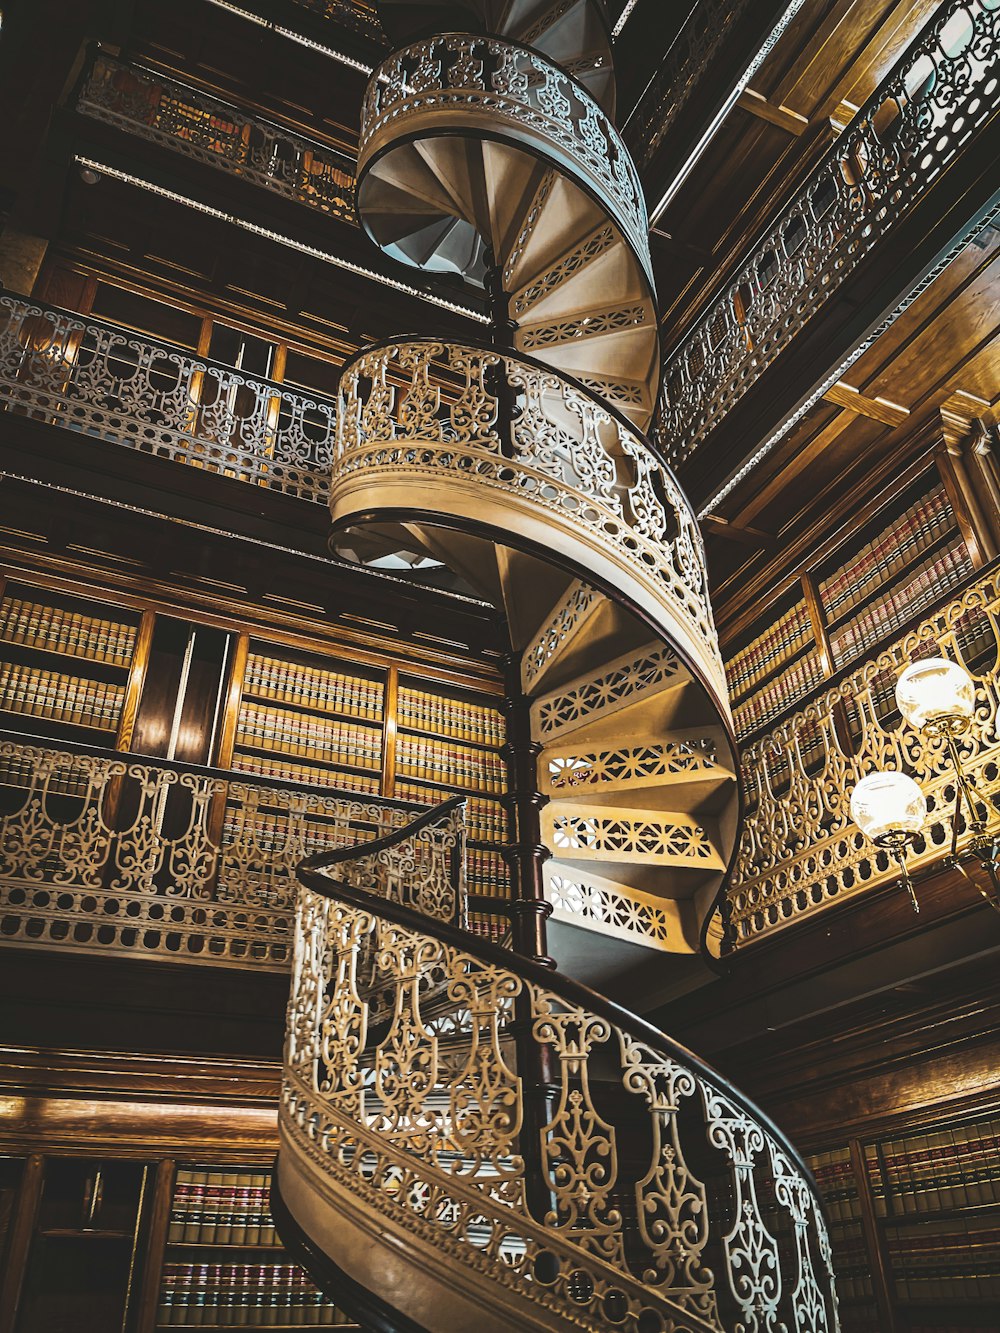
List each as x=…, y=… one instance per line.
x=19, y=716
x=218, y=1270
x=83, y=1233
x=333, y=765
x=296, y=706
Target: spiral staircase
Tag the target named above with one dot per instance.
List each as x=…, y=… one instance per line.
x=467, y=1137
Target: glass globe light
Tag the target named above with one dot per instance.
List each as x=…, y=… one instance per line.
x=935, y=690
x=888, y=806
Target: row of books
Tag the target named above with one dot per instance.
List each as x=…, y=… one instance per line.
x=235, y=1295
x=62, y=698
x=273, y=834
x=927, y=583
x=266, y=766
x=976, y=640
x=59, y=631
x=852, y=1262
x=485, y=820
x=486, y=873
x=954, y=1261
x=353, y=744
x=327, y=691
x=496, y=929
x=437, y=761
x=449, y=717
x=780, y=641
x=885, y=557
x=778, y=695
x=221, y=1208
x=837, y=1183
x=954, y=1167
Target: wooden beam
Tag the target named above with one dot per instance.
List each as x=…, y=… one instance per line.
x=876, y=409
x=782, y=116
x=721, y=527
x=794, y=467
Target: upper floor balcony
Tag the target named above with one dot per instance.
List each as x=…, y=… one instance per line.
x=801, y=852
x=110, y=383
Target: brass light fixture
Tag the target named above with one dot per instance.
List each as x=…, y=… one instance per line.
x=937, y=697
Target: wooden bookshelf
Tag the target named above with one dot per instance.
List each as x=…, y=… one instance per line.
x=305, y=719
x=64, y=662
x=877, y=582
x=223, y=1264
x=921, y=1208
x=774, y=666
x=447, y=742
x=839, y=609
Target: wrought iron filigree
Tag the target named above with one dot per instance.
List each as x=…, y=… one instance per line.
x=199, y=126
x=568, y=456
x=602, y=1195
x=116, y=385
x=800, y=850
x=923, y=114
x=517, y=90
x=146, y=859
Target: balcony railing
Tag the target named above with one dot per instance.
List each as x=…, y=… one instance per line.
x=930, y=108
x=800, y=850
x=143, y=858
x=202, y=127
x=575, y=1167
x=120, y=386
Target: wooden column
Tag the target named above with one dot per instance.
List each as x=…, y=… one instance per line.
x=818, y=621
x=968, y=469
x=156, y=1240
x=136, y=678
x=22, y=1228
x=390, y=705
x=525, y=853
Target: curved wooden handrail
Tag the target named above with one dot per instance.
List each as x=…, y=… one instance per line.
x=527, y=970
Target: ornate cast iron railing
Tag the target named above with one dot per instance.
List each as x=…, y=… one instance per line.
x=566, y=455
x=117, y=385
x=202, y=127
x=945, y=87
x=514, y=89
x=688, y=60
x=145, y=858
x=561, y=1152
x=351, y=13
x=800, y=850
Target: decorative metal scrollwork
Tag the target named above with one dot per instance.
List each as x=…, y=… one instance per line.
x=800, y=850
x=520, y=90
x=122, y=855
x=190, y=122
x=569, y=455
x=923, y=114
x=116, y=385
x=532, y=1140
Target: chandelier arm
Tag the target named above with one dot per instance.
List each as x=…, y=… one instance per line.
x=966, y=789
x=991, y=865
x=899, y=852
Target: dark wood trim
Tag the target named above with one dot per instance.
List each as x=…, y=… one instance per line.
x=29, y=1197
x=156, y=1240
x=873, y=1238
